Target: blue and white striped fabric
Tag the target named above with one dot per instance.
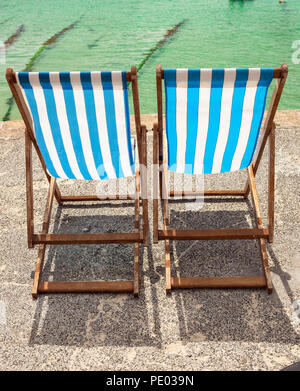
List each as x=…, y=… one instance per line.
x=213, y=117
x=81, y=122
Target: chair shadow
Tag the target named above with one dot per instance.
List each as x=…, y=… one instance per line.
x=250, y=315
x=93, y=319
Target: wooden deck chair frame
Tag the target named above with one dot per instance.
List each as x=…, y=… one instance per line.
x=260, y=232
x=44, y=238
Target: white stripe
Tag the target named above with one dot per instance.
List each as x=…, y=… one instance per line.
x=116, y=78
x=181, y=117
x=83, y=124
x=248, y=106
x=22, y=92
x=203, y=118
x=64, y=123
x=226, y=104
x=44, y=122
x=102, y=126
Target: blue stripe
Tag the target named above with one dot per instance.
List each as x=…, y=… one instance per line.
x=85, y=78
x=236, y=117
x=192, y=118
x=111, y=122
x=73, y=124
x=214, y=118
x=170, y=92
x=54, y=124
x=25, y=83
x=266, y=76
x=126, y=105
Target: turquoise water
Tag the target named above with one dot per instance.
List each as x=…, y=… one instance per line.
x=115, y=34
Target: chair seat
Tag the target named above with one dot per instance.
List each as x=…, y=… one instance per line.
x=81, y=122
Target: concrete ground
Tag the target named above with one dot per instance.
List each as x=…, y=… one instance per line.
x=188, y=330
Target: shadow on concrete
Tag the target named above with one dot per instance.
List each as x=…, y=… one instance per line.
x=94, y=319
x=245, y=315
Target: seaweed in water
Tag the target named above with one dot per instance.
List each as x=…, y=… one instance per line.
x=160, y=43
x=9, y=102
x=94, y=43
x=5, y=21
x=14, y=36
x=52, y=40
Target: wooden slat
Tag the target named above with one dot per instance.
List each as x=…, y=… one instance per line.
x=208, y=193
x=144, y=187
x=159, y=97
x=114, y=197
x=160, y=120
x=136, y=267
x=128, y=76
x=29, y=189
x=89, y=238
x=218, y=282
x=213, y=234
x=136, y=105
x=155, y=183
x=164, y=194
x=85, y=286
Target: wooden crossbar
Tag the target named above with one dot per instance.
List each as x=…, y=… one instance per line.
x=208, y=193
x=218, y=282
x=213, y=234
x=85, y=286
x=117, y=197
x=130, y=237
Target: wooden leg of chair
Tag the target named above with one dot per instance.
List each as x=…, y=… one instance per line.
x=155, y=221
x=168, y=266
x=246, y=190
x=29, y=190
x=136, y=270
x=265, y=264
x=38, y=270
x=136, y=283
x=58, y=195
x=166, y=226
x=145, y=223
x=155, y=185
x=271, y=184
x=261, y=241
x=144, y=177
x=42, y=247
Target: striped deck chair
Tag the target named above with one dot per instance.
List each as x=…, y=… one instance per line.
x=78, y=123
x=213, y=120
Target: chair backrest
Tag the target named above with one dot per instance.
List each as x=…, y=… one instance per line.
x=213, y=117
x=80, y=122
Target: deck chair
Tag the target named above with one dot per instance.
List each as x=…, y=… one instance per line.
x=78, y=123
x=213, y=120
